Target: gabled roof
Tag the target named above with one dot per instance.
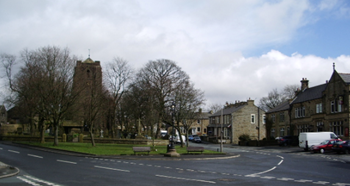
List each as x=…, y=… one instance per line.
x=345, y=77
x=229, y=110
x=310, y=94
x=281, y=107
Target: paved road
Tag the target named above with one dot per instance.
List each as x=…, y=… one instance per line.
x=242, y=166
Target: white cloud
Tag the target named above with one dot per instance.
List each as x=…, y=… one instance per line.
x=206, y=38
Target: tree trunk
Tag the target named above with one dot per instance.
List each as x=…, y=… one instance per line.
x=92, y=137
x=56, y=135
x=42, y=131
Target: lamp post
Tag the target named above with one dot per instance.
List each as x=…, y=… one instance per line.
x=171, y=150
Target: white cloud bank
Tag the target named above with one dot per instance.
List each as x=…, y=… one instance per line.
x=206, y=38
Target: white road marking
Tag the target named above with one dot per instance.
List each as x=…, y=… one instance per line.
x=41, y=181
x=303, y=181
x=63, y=161
x=108, y=168
x=268, y=177
x=187, y=179
x=35, y=156
x=285, y=179
x=13, y=151
x=280, y=162
x=321, y=182
x=28, y=181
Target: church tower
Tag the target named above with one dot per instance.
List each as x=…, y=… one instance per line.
x=87, y=87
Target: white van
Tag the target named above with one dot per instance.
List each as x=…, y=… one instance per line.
x=308, y=139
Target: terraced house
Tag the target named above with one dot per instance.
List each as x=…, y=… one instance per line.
x=237, y=119
x=323, y=107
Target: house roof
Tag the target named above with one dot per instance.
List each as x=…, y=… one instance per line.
x=345, y=77
x=229, y=110
x=310, y=94
x=283, y=106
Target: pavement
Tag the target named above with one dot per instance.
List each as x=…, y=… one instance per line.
x=7, y=170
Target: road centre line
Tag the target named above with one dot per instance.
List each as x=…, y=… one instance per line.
x=63, y=161
x=13, y=151
x=187, y=179
x=35, y=156
x=108, y=168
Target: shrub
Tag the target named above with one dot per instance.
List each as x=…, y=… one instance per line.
x=244, y=137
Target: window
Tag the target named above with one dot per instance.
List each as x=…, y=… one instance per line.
x=252, y=120
x=333, y=107
x=199, y=121
x=273, y=118
x=273, y=133
x=281, y=117
x=337, y=127
x=319, y=108
x=300, y=112
x=264, y=119
x=198, y=129
x=319, y=125
x=282, y=132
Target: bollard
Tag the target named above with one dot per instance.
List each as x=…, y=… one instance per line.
x=306, y=146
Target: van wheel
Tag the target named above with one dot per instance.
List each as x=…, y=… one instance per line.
x=321, y=151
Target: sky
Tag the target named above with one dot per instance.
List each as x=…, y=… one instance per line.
x=232, y=50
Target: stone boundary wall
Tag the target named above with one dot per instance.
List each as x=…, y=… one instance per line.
x=87, y=140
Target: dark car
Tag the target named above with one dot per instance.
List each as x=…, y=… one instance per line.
x=342, y=146
x=287, y=140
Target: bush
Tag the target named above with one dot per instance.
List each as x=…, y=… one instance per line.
x=244, y=137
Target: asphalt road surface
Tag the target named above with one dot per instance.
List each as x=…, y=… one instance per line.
x=241, y=166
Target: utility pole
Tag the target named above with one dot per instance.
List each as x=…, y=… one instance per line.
x=222, y=132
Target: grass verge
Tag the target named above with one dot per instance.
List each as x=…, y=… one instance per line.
x=109, y=149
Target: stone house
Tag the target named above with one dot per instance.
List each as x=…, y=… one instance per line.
x=324, y=107
x=199, y=127
x=237, y=119
x=279, y=116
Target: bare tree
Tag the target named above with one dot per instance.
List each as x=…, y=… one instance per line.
x=275, y=97
x=188, y=101
x=118, y=74
x=214, y=107
x=52, y=84
x=289, y=91
x=161, y=78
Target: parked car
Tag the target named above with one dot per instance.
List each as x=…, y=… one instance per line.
x=309, y=139
x=287, y=140
x=190, y=138
x=325, y=146
x=342, y=146
x=197, y=139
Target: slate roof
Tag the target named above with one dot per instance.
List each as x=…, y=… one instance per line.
x=310, y=94
x=345, y=77
x=229, y=110
x=280, y=107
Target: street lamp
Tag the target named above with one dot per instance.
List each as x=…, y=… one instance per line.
x=171, y=150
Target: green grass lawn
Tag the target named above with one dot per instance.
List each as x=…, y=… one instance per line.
x=108, y=149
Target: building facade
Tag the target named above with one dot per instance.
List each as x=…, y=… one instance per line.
x=237, y=119
x=324, y=107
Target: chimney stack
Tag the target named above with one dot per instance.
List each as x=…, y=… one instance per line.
x=304, y=84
